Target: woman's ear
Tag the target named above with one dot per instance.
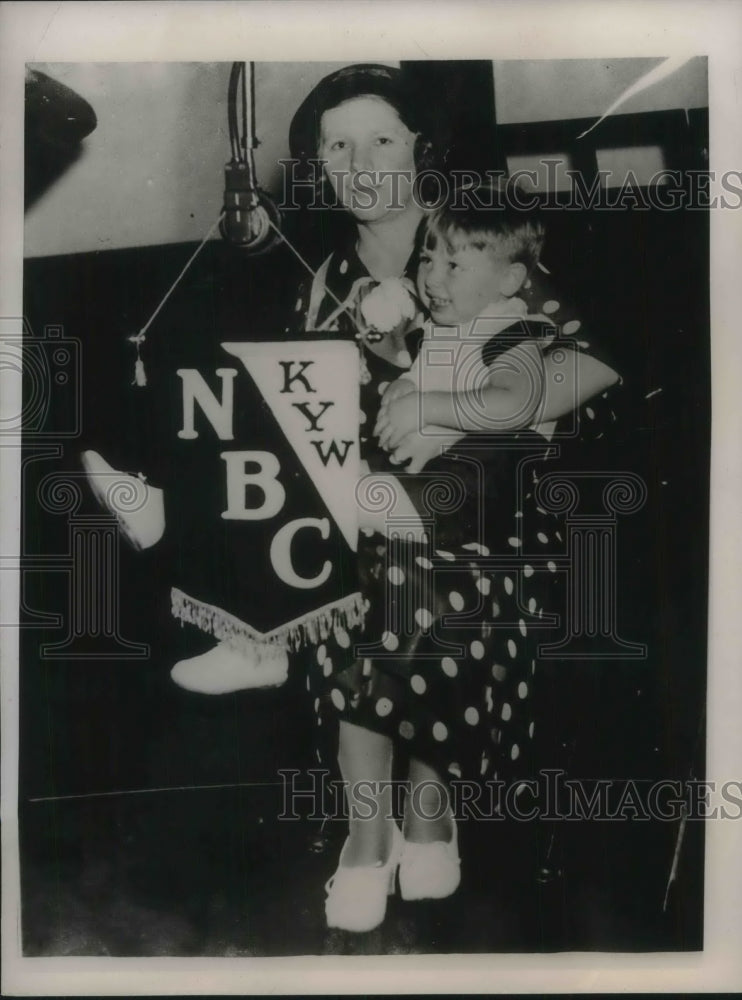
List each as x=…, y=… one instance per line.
x=513, y=278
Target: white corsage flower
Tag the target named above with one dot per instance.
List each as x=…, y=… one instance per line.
x=388, y=305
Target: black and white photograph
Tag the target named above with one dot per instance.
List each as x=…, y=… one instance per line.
x=361, y=425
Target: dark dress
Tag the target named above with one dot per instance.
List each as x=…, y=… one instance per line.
x=447, y=659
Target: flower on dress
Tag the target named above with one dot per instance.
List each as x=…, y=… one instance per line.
x=388, y=305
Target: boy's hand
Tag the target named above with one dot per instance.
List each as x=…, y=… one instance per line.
x=397, y=419
x=395, y=390
x=421, y=448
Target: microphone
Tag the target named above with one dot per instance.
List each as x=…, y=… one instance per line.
x=250, y=213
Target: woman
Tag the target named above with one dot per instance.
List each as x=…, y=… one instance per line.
x=369, y=129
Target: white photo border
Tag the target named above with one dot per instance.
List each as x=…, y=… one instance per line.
x=404, y=29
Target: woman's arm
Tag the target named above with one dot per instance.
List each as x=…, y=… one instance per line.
x=582, y=377
x=374, y=487
x=509, y=399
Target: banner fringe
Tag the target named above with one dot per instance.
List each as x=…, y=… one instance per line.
x=310, y=629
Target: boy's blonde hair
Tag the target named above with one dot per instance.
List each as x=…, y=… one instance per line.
x=481, y=218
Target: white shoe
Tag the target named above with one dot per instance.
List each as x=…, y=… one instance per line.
x=356, y=897
x=226, y=668
x=138, y=507
x=430, y=871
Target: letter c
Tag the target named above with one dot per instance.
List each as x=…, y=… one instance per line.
x=281, y=553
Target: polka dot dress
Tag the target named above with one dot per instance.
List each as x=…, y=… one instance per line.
x=446, y=664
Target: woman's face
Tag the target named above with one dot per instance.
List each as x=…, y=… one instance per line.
x=369, y=154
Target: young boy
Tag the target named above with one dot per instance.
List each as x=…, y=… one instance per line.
x=472, y=265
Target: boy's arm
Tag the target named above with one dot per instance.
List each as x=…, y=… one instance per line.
x=509, y=399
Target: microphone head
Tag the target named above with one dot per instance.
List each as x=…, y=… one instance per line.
x=250, y=214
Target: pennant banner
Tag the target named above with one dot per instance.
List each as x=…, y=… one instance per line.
x=268, y=462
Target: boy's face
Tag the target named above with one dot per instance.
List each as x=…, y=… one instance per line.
x=457, y=285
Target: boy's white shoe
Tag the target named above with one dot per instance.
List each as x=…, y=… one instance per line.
x=138, y=507
x=225, y=669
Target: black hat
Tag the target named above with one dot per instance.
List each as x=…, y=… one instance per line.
x=386, y=82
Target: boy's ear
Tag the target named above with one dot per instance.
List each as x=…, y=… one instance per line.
x=513, y=278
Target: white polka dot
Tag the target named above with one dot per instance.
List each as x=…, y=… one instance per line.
x=477, y=649
x=384, y=707
x=590, y=412
x=488, y=698
x=530, y=730
x=484, y=765
x=440, y=732
x=316, y=704
x=542, y=538
x=476, y=547
x=519, y=513
x=495, y=609
x=532, y=605
x=406, y=729
x=299, y=304
x=449, y=666
x=508, y=585
x=321, y=654
x=389, y=641
x=423, y=618
x=327, y=667
x=383, y=387
x=456, y=600
x=342, y=638
x=361, y=417
x=343, y=266
x=471, y=715
x=527, y=570
x=498, y=672
x=550, y=306
x=418, y=685
x=521, y=788
x=514, y=752
x=533, y=666
x=572, y=326
x=506, y=712
x=367, y=532
x=522, y=690
x=559, y=535
x=396, y=576
x=512, y=649
x=422, y=561
x=337, y=699
x=522, y=627
x=449, y=556
x=484, y=585
x=514, y=542
x=527, y=283
x=551, y=566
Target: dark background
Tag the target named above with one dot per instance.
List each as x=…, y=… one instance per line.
x=112, y=866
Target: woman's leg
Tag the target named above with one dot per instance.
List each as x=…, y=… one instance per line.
x=427, y=814
x=365, y=760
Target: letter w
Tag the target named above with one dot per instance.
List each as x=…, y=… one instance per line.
x=332, y=449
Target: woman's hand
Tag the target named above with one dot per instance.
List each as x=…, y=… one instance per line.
x=420, y=448
x=398, y=418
